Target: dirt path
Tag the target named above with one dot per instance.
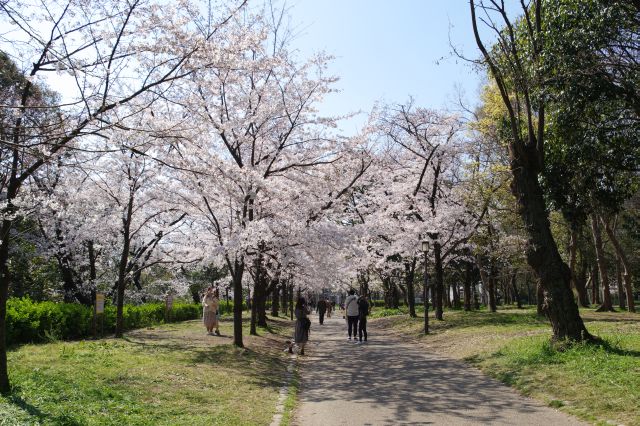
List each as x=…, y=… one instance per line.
x=388, y=381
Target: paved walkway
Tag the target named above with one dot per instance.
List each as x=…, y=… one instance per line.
x=392, y=382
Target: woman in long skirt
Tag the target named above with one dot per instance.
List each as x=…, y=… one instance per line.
x=210, y=311
x=301, y=334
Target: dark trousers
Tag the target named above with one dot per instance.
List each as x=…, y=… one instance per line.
x=352, y=322
x=321, y=315
x=363, y=328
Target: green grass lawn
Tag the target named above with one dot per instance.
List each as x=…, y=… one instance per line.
x=598, y=383
x=171, y=374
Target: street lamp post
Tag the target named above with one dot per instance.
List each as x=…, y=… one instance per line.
x=425, y=250
x=437, y=285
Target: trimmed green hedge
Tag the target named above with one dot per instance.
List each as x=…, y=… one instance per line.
x=31, y=322
x=224, y=310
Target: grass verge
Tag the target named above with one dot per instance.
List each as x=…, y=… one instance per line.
x=598, y=383
x=170, y=374
x=292, y=399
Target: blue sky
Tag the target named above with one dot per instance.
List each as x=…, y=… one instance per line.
x=389, y=50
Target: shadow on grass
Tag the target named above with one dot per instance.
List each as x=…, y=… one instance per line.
x=475, y=319
x=18, y=402
x=615, y=349
x=551, y=352
x=259, y=360
x=620, y=320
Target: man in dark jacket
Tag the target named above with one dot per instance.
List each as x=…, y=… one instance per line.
x=322, y=309
x=363, y=311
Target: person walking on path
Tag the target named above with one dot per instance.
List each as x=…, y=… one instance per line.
x=351, y=306
x=210, y=311
x=303, y=324
x=363, y=311
x=322, y=309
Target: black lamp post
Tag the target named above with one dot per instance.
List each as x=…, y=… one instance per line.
x=425, y=250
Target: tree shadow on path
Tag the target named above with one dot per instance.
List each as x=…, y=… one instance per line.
x=396, y=382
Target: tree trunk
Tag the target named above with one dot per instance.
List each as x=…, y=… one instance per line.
x=363, y=281
x=625, y=263
x=607, y=305
x=275, y=304
x=467, y=286
x=595, y=285
x=474, y=288
x=573, y=251
x=439, y=283
x=4, y=296
x=456, y=295
x=285, y=298
x=540, y=305
x=236, y=273
x=410, y=270
x=491, y=290
x=506, y=299
x=542, y=251
x=581, y=285
x=72, y=282
x=620, y=284
x=261, y=302
x=395, y=295
x=387, y=293
x=68, y=284
x=391, y=293
x=526, y=160
x=122, y=267
x=514, y=287
x=291, y=301
x=254, y=312
x=92, y=274
x=488, y=283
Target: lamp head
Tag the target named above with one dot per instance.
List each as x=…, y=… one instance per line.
x=425, y=246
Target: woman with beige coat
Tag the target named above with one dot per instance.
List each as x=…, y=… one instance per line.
x=210, y=311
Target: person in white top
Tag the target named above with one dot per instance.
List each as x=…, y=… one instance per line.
x=351, y=306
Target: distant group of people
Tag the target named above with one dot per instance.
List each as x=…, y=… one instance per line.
x=357, y=308
x=356, y=311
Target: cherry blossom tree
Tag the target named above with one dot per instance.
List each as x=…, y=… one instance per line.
x=110, y=54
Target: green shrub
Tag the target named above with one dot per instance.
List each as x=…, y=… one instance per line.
x=384, y=312
x=228, y=310
x=378, y=303
x=32, y=322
